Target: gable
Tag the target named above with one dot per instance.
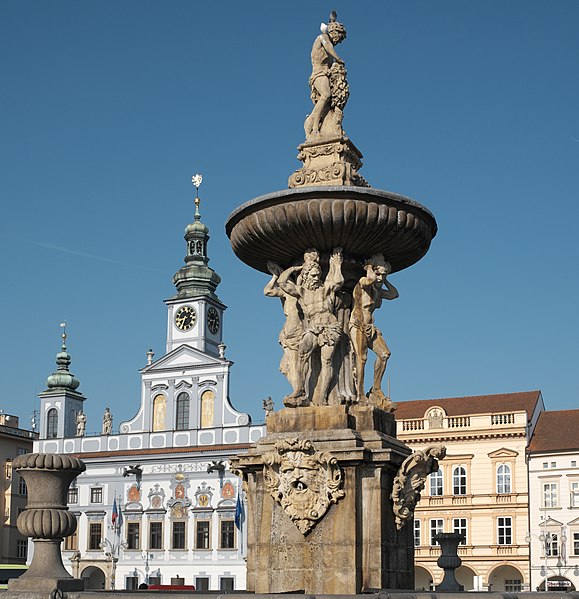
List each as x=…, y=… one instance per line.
x=180, y=357
x=503, y=452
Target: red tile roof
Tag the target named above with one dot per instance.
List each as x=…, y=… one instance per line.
x=557, y=430
x=476, y=404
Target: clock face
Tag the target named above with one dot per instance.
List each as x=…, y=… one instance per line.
x=213, y=320
x=185, y=318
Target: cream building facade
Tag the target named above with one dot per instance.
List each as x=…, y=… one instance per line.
x=14, y=441
x=157, y=502
x=553, y=459
x=480, y=489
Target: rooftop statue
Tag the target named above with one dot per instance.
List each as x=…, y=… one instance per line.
x=328, y=85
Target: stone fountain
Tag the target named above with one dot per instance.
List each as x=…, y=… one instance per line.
x=330, y=488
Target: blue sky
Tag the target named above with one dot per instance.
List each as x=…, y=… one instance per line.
x=108, y=108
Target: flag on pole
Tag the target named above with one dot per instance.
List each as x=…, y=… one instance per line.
x=115, y=514
x=239, y=512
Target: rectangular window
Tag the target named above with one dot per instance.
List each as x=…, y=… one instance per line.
x=226, y=583
x=154, y=580
x=95, y=536
x=131, y=583
x=553, y=464
x=71, y=543
x=576, y=543
x=436, y=484
x=21, y=549
x=459, y=526
x=505, y=530
x=574, y=502
x=8, y=470
x=513, y=585
x=179, y=535
x=573, y=463
x=72, y=495
x=156, y=535
x=133, y=535
x=552, y=544
x=22, y=490
x=550, y=498
x=227, y=534
x=96, y=495
x=202, y=583
x=202, y=534
x=545, y=464
x=436, y=526
x=459, y=480
x=417, y=539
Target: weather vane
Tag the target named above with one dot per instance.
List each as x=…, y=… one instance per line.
x=197, y=180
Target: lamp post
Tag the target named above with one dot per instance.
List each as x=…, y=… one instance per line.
x=545, y=538
x=146, y=556
x=114, y=552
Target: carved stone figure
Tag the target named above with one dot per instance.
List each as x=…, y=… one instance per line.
x=107, y=422
x=305, y=482
x=328, y=85
x=367, y=296
x=292, y=332
x=410, y=481
x=322, y=330
x=80, y=424
x=268, y=406
x=435, y=418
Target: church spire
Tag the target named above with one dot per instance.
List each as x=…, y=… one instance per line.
x=195, y=278
x=62, y=379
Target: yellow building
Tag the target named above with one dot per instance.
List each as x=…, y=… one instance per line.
x=481, y=488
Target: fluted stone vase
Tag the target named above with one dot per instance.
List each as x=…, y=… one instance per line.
x=47, y=520
x=449, y=561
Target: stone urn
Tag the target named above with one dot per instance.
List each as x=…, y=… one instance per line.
x=47, y=520
x=449, y=560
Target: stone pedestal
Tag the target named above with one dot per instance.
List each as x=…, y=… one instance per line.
x=348, y=541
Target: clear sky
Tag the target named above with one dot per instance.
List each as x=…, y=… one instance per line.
x=108, y=108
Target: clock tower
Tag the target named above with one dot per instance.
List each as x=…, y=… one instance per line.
x=195, y=314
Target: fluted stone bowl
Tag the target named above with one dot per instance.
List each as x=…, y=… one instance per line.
x=363, y=221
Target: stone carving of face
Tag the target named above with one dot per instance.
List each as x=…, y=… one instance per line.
x=302, y=480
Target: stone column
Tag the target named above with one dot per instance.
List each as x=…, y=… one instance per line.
x=47, y=520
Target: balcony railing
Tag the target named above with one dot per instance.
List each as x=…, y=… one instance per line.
x=413, y=425
x=500, y=419
x=458, y=421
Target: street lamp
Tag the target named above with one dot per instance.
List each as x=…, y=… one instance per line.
x=113, y=554
x=146, y=556
x=545, y=539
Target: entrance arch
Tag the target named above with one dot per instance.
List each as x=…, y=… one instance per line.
x=506, y=579
x=94, y=579
x=465, y=577
x=422, y=579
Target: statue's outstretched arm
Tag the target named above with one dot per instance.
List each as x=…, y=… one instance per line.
x=272, y=288
x=287, y=285
x=335, y=278
x=327, y=43
x=390, y=292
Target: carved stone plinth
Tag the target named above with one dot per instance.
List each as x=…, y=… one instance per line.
x=328, y=162
x=47, y=520
x=320, y=515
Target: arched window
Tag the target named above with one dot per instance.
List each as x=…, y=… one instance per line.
x=504, y=478
x=159, y=412
x=459, y=481
x=207, y=408
x=182, y=417
x=436, y=483
x=52, y=424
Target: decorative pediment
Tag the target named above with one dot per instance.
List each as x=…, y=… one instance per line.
x=183, y=385
x=183, y=356
x=503, y=452
x=550, y=522
x=573, y=522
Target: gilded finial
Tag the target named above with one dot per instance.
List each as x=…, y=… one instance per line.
x=197, y=180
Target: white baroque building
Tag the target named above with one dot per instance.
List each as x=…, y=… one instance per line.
x=166, y=469
x=553, y=461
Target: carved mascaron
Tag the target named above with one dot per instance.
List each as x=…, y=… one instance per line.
x=305, y=482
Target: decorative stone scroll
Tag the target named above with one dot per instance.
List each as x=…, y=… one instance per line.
x=410, y=481
x=305, y=482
